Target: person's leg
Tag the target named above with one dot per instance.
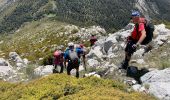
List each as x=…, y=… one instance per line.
x=127, y=56
x=77, y=71
x=68, y=69
x=62, y=68
x=55, y=66
x=128, y=53
x=55, y=69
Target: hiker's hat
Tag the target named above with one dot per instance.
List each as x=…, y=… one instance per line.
x=135, y=13
x=70, y=44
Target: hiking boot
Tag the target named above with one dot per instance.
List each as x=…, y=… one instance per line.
x=55, y=71
x=124, y=65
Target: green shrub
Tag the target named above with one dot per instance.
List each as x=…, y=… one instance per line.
x=61, y=86
x=165, y=64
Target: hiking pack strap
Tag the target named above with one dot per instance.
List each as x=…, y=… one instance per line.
x=137, y=30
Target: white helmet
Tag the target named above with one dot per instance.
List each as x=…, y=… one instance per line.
x=70, y=44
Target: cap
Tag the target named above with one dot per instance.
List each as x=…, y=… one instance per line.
x=135, y=13
x=70, y=44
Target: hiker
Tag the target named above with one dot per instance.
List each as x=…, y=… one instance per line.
x=81, y=54
x=93, y=39
x=58, y=60
x=139, y=36
x=71, y=59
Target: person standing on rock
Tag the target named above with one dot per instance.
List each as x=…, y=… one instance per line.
x=138, y=37
x=58, y=60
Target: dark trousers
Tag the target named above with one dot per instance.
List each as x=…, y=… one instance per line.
x=61, y=65
x=72, y=66
x=129, y=49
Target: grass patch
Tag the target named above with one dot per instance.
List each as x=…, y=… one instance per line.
x=34, y=40
x=159, y=58
x=61, y=86
x=165, y=64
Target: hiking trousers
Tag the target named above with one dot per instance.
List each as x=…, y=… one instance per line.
x=129, y=49
x=73, y=66
x=61, y=65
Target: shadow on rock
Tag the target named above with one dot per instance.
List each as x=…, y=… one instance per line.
x=135, y=73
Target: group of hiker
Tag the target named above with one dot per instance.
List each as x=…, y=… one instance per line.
x=71, y=58
x=75, y=53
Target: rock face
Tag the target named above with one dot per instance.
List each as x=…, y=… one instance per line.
x=6, y=70
x=43, y=70
x=3, y=62
x=159, y=83
x=93, y=63
x=20, y=63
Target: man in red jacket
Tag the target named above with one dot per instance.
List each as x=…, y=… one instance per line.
x=135, y=39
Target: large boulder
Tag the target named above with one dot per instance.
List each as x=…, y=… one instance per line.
x=96, y=51
x=93, y=63
x=107, y=45
x=159, y=83
x=15, y=57
x=20, y=63
x=5, y=70
x=113, y=38
x=3, y=62
x=160, y=90
x=162, y=29
x=157, y=76
x=43, y=70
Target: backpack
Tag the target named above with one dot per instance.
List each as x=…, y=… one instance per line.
x=57, y=53
x=58, y=56
x=149, y=28
x=73, y=57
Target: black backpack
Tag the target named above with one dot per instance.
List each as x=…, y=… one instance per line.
x=149, y=28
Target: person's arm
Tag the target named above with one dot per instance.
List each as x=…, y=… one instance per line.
x=65, y=63
x=143, y=35
x=84, y=58
x=65, y=60
x=84, y=62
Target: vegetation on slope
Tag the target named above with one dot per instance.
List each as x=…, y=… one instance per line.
x=65, y=87
x=35, y=40
x=108, y=14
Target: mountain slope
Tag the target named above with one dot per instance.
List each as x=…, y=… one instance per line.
x=64, y=87
x=110, y=14
x=35, y=40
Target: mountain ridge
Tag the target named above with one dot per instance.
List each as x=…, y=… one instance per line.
x=111, y=15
